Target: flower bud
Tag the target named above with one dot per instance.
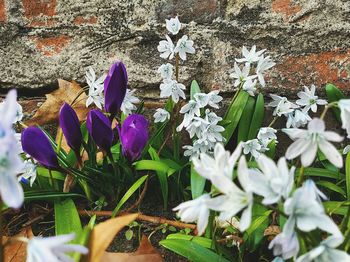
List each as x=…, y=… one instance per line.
x=36, y=144
x=134, y=136
x=100, y=130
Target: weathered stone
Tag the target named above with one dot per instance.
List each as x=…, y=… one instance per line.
x=44, y=40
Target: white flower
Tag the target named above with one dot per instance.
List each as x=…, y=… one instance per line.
x=213, y=133
x=297, y=118
x=307, y=215
x=308, y=141
x=189, y=110
x=199, y=146
x=29, y=172
x=197, y=127
x=252, y=147
x=128, y=103
x=326, y=252
x=264, y=64
x=266, y=134
x=250, y=56
x=309, y=99
x=19, y=111
x=284, y=245
x=166, y=48
x=241, y=76
x=11, y=164
x=344, y=106
x=234, y=199
x=173, y=25
x=166, y=70
x=219, y=168
x=346, y=149
x=161, y=115
x=283, y=106
x=212, y=99
x=184, y=46
x=172, y=88
x=211, y=117
x=95, y=95
x=314, y=193
x=250, y=86
x=53, y=249
x=195, y=210
x=275, y=181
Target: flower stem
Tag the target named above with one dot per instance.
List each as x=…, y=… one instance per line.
x=79, y=94
x=326, y=109
x=301, y=176
x=59, y=140
x=273, y=121
x=115, y=168
x=1, y=236
x=177, y=65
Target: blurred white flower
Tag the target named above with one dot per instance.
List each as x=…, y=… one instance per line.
x=195, y=210
x=29, y=173
x=264, y=64
x=161, y=115
x=284, y=245
x=166, y=70
x=250, y=56
x=283, y=106
x=128, y=103
x=313, y=192
x=19, y=111
x=172, y=88
x=275, y=181
x=183, y=46
x=344, y=106
x=326, y=252
x=53, y=249
x=307, y=215
x=250, y=86
x=266, y=135
x=252, y=147
x=166, y=48
x=297, y=118
x=346, y=149
x=173, y=25
x=309, y=99
x=234, y=199
x=241, y=75
x=189, y=110
x=197, y=127
x=213, y=133
x=95, y=95
x=308, y=141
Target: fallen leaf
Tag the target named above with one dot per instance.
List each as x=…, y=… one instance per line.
x=66, y=92
x=272, y=230
x=103, y=234
x=145, y=253
x=16, y=250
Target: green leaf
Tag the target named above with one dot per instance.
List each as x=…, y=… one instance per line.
x=234, y=113
x=191, y=250
x=203, y=241
x=334, y=94
x=162, y=177
x=154, y=166
x=246, y=119
x=258, y=117
x=42, y=171
x=347, y=174
x=47, y=195
x=271, y=153
x=332, y=187
x=129, y=193
x=129, y=234
x=336, y=207
x=83, y=237
x=67, y=219
x=197, y=183
x=320, y=172
x=194, y=89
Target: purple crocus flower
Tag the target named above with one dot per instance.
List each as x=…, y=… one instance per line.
x=115, y=86
x=100, y=130
x=70, y=125
x=134, y=136
x=36, y=144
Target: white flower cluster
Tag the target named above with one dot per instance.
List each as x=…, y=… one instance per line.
x=252, y=60
x=274, y=183
x=96, y=96
x=170, y=87
x=203, y=129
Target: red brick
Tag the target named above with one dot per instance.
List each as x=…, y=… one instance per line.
x=3, y=17
x=81, y=20
x=285, y=7
x=51, y=46
x=34, y=8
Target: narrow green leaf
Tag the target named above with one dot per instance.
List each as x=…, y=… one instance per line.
x=336, y=207
x=129, y=193
x=332, y=187
x=194, y=89
x=197, y=183
x=42, y=171
x=154, y=166
x=271, y=153
x=191, y=250
x=321, y=172
x=203, y=241
x=67, y=219
x=83, y=237
x=334, y=94
x=245, y=122
x=48, y=195
x=258, y=117
x=347, y=174
x=233, y=114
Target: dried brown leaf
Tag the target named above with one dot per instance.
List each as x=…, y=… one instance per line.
x=145, y=253
x=103, y=234
x=66, y=92
x=272, y=230
x=15, y=251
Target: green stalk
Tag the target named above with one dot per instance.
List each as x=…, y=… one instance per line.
x=301, y=176
x=1, y=236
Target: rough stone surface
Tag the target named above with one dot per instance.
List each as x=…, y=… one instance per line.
x=42, y=40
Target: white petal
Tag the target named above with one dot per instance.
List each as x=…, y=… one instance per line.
x=331, y=153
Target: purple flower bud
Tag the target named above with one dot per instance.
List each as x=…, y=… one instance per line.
x=100, y=130
x=115, y=86
x=134, y=136
x=36, y=144
x=70, y=125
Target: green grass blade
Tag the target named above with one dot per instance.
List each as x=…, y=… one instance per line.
x=258, y=117
x=246, y=119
